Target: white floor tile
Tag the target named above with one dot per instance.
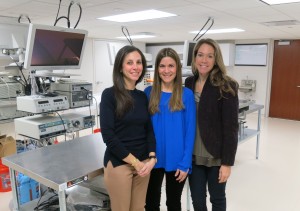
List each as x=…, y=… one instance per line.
x=5, y=198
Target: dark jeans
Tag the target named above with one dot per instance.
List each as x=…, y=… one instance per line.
x=173, y=190
x=198, y=179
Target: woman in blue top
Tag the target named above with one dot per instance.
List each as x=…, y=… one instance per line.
x=173, y=118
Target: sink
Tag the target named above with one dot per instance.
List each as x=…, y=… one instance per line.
x=243, y=100
x=245, y=88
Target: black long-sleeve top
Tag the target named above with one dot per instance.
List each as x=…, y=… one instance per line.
x=132, y=133
x=218, y=121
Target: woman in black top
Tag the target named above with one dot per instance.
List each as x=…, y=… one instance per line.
x=127, y=132
x=217, y=122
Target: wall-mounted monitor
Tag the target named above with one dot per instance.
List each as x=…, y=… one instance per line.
x=251, y=54
x=54, y=48
x=187, y=54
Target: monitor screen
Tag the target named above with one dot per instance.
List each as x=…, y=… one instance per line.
x=52, y=48
x=187, y=55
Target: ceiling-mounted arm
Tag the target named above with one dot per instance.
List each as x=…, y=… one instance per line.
x=199, y=33
x=127, y=35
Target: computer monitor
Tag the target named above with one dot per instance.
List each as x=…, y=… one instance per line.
x=54, y=48
x=187, y=55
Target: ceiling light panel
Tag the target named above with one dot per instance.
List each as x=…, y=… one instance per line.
x=141, y=35
x=138, y=16
x=272, y=2
x=281, y=23
x=217, y=31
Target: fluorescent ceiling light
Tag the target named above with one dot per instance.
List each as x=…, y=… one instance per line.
x=271, y=2
x=217, y=31
x=138, y=16
x=142, y=35
x=282, y=23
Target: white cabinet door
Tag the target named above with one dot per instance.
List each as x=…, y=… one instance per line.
x=104, y=58
x=227, y=53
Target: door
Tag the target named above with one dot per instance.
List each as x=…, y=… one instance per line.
x=104, y=57
x=285, y=86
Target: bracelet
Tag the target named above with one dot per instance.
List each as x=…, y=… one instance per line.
x=134, y=161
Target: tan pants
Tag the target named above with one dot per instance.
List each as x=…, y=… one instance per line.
x=126, y=189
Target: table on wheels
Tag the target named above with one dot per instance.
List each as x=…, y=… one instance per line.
x=56, y=166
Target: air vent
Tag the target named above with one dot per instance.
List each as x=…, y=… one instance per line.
x=284, y=42
x=7, y=19
x=281, y=23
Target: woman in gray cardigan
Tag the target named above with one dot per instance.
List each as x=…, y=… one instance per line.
x=217, y=125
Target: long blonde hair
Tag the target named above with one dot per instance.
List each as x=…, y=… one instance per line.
x=218, y=75
x=175, y=103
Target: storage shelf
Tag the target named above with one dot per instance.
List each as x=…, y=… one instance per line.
x=247, y=134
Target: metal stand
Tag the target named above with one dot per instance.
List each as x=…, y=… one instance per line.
x=246, y=133
x=56, y=166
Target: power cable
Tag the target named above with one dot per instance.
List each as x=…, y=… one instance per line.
x=126, y=35
x=23, y=15
x=68, y=15
x=89, y=97
x=63, y=125
x=196, y=38
x=20, y=68
x=97, y=113
x=80, y=12
x=57, y=11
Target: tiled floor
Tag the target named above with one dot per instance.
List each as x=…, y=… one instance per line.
x=270, y=183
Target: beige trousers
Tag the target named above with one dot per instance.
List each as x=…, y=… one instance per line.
x=126, y=189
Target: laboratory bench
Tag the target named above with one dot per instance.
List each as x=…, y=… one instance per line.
x=247, y=133
x=57, y=166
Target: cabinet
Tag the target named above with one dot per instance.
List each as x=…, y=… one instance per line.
x=227, y=50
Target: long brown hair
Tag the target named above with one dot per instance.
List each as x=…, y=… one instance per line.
x=122, y=95
x=218, y=75
x=175, y=103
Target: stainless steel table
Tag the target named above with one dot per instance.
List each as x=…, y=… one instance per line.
x=54, y=166
x=249, y=133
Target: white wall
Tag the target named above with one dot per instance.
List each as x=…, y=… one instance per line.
x=154, y=49
x=262, y=75
x=103, y=61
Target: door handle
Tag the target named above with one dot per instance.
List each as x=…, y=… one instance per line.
x=298, y=86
